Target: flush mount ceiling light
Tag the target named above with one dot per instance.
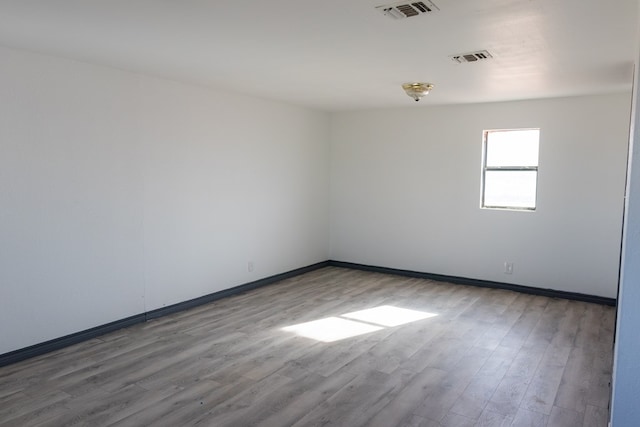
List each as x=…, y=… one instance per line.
x=417, y=90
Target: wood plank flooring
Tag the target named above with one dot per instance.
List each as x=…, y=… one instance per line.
x=487, y=358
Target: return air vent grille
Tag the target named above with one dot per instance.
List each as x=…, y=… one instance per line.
x=407, y=10
x=481, y=55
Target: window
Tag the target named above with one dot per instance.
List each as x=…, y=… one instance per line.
x=510, y=169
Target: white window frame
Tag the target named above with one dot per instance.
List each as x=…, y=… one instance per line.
x=511, y=168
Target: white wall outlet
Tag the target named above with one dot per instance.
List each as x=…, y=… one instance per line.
x=508, y=267
x=250, y=266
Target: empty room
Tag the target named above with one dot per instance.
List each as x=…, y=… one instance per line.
x=339, y=213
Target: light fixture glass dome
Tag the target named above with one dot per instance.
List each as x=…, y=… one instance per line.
x=417, y=90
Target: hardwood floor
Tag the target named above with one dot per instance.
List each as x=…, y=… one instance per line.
x=485, y=357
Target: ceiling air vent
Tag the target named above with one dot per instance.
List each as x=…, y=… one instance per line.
x=481, y=55
x=407, y=10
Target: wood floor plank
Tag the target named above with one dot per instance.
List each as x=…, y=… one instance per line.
x=526, y=418
x=588, y=333
x=600, y=383
x=548, y=325
x=334, y=356
x=573, y=391
x=40, y=416
x=25, y=407
x=493, y=419
x=512, y=388
x=358, y=402
x=417, y=421
x=542, y=390
x=565, y=417
x=474, y=398
x=274, y=404
x=568, y=325
x=98, y=407
x=396, y=349
x=247, y=407
x=522, y=327
x=184, y=402
x=455, y=420
x=401, y=409
x=288, y=412
x=595, y=416
x=486, y=357
x=439, y=403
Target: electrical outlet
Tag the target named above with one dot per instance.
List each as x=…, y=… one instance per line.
x=508, y=267
x=250, y=266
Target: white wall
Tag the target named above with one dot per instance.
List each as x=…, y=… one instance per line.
x=228, y=180
x=121, y=193
x=405, y=192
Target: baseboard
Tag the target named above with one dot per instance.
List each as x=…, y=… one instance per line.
x=476, y=282
x=78, y=337
x=185, y=305
x=67, y=340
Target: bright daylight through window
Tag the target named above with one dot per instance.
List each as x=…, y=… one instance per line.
x=510, y=169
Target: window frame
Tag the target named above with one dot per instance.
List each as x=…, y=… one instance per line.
x=485, y=168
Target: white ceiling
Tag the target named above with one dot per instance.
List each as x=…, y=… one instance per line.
x=344, y=54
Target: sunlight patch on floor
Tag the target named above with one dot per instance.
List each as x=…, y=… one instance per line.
x=356, y=323
x=388, y=315
x=331, y=329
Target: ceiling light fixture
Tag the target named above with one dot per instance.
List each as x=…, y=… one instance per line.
x=417, y=90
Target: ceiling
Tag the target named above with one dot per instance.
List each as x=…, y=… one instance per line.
x=344, y=54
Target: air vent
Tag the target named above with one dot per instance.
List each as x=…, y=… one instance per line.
x=481, y=55
x=407, y=10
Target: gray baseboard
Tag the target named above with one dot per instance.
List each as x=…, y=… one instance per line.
x=78, y=337
x=482, y=283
